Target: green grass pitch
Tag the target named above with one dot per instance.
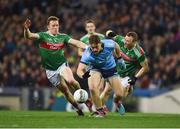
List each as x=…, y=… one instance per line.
x=47, y=119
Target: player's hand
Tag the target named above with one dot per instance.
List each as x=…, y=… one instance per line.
x=132, y=80
x=110, y=34
x=86, y=75
x=27, y=24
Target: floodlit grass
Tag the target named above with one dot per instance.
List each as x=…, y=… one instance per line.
x=46, y=119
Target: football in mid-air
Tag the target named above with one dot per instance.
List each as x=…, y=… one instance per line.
x=80, y=96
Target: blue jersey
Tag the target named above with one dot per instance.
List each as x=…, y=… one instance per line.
x=103, y=60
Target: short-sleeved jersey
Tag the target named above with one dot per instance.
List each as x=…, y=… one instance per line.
x=133, y=58
x=51, y=49
x=85, y=38
x=103, y=60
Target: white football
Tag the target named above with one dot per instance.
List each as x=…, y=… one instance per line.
x=80, y=96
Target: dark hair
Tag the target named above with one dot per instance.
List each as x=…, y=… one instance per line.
x=133, y=35
x=89, y=21
x=94, y=39
x=52, y=18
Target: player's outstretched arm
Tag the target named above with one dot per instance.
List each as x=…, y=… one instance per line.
x=144, y=69
x=27, y=33
x=81, y=71
x=117, y=50
x=80, y=51
x=77, y=43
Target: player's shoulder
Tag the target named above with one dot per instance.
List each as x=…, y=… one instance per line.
x=84, y=37
x=100, y=35
x=138, y=50
x=62, y=34
x=119, y=37
x=42, y=33
x=108, y=43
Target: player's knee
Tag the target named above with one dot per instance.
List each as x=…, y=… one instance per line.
x=71, y=81
x=92, y=89
x=108, y=92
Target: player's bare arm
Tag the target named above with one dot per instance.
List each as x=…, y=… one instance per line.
x=27, y=33
x=80, y=51
x=117, y=51
x=144, y=69
x=77, y=43
x=81, y=70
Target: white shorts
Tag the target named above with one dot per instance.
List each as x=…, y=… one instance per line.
x=54, y=76
x=124, y=81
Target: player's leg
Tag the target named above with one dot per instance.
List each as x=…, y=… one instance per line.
x=73, y=84
x=94, y=84
x=102, y=85
x=118, y=91
x=67, y=74
x=106, y=93
x=126, y=87
x=94, y=87
x=60, y=83
x=63, y=87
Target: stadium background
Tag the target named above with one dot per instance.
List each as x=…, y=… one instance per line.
x=156, y=21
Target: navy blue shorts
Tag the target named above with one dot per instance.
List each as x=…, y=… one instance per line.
x=107, y=73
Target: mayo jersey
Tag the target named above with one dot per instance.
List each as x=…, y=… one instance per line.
x=51, y=49
x=133, y=58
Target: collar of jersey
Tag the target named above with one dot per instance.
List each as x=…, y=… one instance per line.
x=51, y=34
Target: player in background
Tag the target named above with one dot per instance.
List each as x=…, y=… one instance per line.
x=98, y=56
x=135, y=60
x=50, y=45
x=90, y=28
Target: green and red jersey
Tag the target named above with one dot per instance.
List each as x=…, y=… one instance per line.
x=51, y=49
x=85, y=38
x=133, y=58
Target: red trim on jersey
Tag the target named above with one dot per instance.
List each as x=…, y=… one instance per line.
x=51, y=46
x=141, y=50
x=125, y=57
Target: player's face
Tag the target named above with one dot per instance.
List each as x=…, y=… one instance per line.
x=90, y=28
x=128, y=41
x=95, y=47
x=53, y=27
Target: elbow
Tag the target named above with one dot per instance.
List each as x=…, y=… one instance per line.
x=80, y=52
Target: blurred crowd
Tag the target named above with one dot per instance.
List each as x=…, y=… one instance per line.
x=156, y=21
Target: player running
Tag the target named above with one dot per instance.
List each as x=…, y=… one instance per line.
x=50, y=45
x=135, y=60
x=90, y=27
x=99, y=57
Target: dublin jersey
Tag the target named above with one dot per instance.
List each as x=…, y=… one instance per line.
x=133, y=58
x=104, y=60
x=51, y=49
x=85, y=38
